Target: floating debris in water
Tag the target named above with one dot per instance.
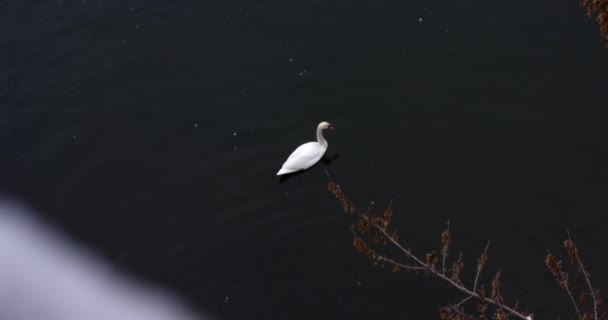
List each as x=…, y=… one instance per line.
x=226, y=299
x=420, y=19
x=196, y=125
x=234, y=134
x=304, y=72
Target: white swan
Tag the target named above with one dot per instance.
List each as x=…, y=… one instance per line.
x=306, y=155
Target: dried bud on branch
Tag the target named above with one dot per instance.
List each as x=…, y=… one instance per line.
x=431, y=260
x=556, y=269
x=571, y=250
x=481, y=261
x=496, y=295
x=362, y=247
x=598, y=8
x=347, y=205
x=482, y=306
x=457, y=269
x=445, y=241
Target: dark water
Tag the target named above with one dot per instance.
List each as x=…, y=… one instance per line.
x=151, y=131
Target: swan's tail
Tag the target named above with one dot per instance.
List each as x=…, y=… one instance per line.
x=284, y=171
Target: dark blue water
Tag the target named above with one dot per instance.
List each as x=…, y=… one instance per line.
x=151, y=132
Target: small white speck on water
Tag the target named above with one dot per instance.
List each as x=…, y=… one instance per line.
x=123, y=40
x=74, y=137
x=359, y=283
x=234, y=134
x=196, y=125
x=304, y=72
x=286, y=193
x=372, y=202
x=136, y=26
x=290, y=59
x=420, y=19
x=226, y=299
x=235, y=148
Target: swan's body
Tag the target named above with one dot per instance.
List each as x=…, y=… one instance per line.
x=308, y=154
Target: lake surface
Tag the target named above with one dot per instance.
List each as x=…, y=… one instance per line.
x=151, y=132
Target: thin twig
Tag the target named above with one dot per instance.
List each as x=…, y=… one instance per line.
x=463, y=301
x=578, y=312
x=400, y=265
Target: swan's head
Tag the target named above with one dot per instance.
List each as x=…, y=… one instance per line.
x=325, y=125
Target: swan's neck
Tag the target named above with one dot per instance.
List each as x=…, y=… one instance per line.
x=320, y=139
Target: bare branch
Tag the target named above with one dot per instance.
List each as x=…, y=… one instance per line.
x=456, y=285
x=376, y=227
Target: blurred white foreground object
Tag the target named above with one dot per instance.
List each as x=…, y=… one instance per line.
x=43, y=276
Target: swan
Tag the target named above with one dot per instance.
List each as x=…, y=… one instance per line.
x=308, y=154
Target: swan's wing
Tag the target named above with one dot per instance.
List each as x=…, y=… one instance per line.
x=304, y=157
